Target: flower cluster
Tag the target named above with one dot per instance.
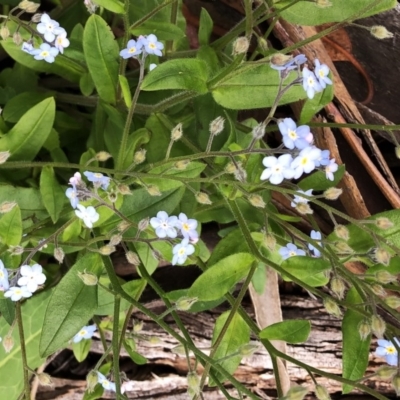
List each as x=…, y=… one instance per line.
x=387, y=350
x=170, y=226
x=85, y=333
x=55, y=37
x=31, y=277
x=314, y=82
x=291, y=250
x=143, y=45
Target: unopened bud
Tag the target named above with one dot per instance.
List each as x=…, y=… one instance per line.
x=143, y=224
x=124, y=189
x=332, y=307
x=4, y=155
x=258, y=131
x=185, y=303
x=88, y=278
x=380, y=32
x=296, y=393
x=36, y=18
x=153, y=190
x=396, y=384
x=123, y=226
x=382, y=256
x=384, y=223
x=240, y=174
x=230, y=168
x=378, y=290
x=176, y=133
x=256, y=201
x=59, y=254
x=28, y=6
x=343, y=248
x=138, y=326
x=102, y=156
x=342, y=232
x=338, y=287
x=385, y=277
x=304, y=208
x=322, y=393
x=181, y=165
x=8, y=343
x=269, y=241
x=323, y=3
x=44, y=379
x=248, y=349
x=4, y=32
x=91, y=381
x=17, y=38
x=386, y=372
x=112, y=196
x=7, y=206
x=139, y=156
x=280, y=59
x=16, y=250
x=217, y=126
x=378, y=326
x=106, y=250
x=240, y=45
x=115, y=240
x=156, y=255
x=393, y=302
x=193, y=382
x=203, y=198
x=332, y=193
x=263, y=44
x=132, y=258
x=364, y=329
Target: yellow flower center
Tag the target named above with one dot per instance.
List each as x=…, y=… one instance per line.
x=185, y=227
x=152, y=46
x=292, y=134
x=132, y=50
x=82, y=332
x=44, y=53
x=391, y=350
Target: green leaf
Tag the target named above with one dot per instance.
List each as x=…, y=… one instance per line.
x=112, y=5
x=292, y=331
x=52, y=193
x=205, y=27
x=318, y=181
x=306, y=13
x=236, y=335
x=126, y=91
x=221, y=277
x=27, y=137
x=101, y=54
x=86, y=84
x=308, y=269
x=355, y=350
x=71, y=305
x=259, y=278
x=81, y=349
x=11, y=227
x=312, y=106
x=11, y=363
x=188, y=74
x=254, y=86
x=7, y=310
x=129, y=345
x=163, y=30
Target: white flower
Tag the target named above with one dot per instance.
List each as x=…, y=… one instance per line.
x=105, y=382
x=45, y=52
x=31, y=277
x=310, y=83
x=152, y=66
x=49, y=28
x=330, y=169
x=164, y=225
x=322, y=72
x=315, y=235
x=298, y=198
x=181, y=252
x=17, y=293
x=277, y=169
x=85, y=333
x=87, y=214
x=76, y=180
x=187, y=227
x=27, y=47
x=305, y=161
x=61, y=42
x=72, y=194
x=4, y=285
x=152, y=45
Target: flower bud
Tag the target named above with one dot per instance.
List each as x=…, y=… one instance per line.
x=4, y=32
x=263, y=44
x=8, y=343
x=280, y=59
x=258, y=131
x=124, y=189
x=323, y=3
x=28, y=6
x=332, y=193
x=185, y=303
x=176, y=133
x=156, y=255
x=181, y=165
x=115, y=239
x=102, y=156
x=132, y=258
x=217, y=126
x=203, y=198
x=240, y=45
x=179, y=350
x=138, y=326
x=240, y=174
x=106, y=250
x=386, y=372
x=256, y=201
x=338, y=287
x=153, y=190
x=44, y=379
x=384, y=223
x=91, y=381
x=91, y=6
x=193, y=381
x=380, y=32
x=143, y=224
x=396, y=384
x=16, y=250
x=304, y=208
x=342, y=232
x=343, y=248
x=59, y=254
x=364, y=329
x=322, y=393
x=382, y=256
x=17, y=38
x=7, y=206
x=36, y=18
x=88, y=278
x=296, y=393
x=385, y=277
x=139, y=156
x=378, y=326
x=269, y=241
x=4, y=155
x=332, y=307
x=378, y=290
x=123, y=226
x=392, y=301
x=230, y=168
x=112, y=196
x=248, y=349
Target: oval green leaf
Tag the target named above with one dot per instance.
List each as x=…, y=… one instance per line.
x=112, y=5
x=52, y=193
x=293, y=331
x=11, y=227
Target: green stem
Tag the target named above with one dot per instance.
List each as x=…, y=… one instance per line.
x=25, y=367
x=115, y=345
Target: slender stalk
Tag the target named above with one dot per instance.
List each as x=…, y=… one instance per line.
x=27, y=389
x=115, y=345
